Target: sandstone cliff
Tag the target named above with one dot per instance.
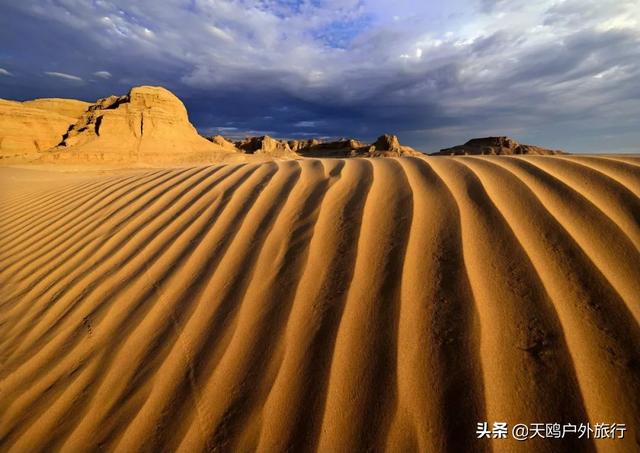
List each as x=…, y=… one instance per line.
x=149, y=125
x=66, y=107
x=29, y=127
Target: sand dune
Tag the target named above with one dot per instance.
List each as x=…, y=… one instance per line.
x=329, y=305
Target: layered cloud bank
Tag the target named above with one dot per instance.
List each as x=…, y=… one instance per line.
x=558, y=73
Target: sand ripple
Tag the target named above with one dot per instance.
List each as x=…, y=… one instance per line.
x=330, y=305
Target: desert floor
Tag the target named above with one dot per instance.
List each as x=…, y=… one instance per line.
x=330, y=305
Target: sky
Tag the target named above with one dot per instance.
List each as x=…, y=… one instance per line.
x=563, y=74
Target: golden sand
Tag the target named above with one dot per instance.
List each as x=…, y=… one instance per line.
x=329, y=305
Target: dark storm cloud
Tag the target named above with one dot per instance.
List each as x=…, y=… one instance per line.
x=551, y=72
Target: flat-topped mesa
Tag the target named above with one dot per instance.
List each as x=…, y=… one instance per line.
x=500, y=146
x=28, y=127
x=148, y=125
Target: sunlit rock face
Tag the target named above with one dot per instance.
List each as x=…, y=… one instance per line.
x=149, y=124
x=29, y=127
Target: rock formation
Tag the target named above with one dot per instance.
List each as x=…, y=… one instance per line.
x=385, y=146
x=387, y=142
x=29, y=127
x=297, y=145
x=71, y=108
x=148, y=125
x=501, y=146
x=388, y=145
x=221, y=141
x=337, y=148
x=266, y=146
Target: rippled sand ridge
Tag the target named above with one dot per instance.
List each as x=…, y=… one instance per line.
x=320, y=304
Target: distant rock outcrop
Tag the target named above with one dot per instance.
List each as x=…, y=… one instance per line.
x=29, y=127
x=221, y=141
x=385, y=146
x=266, y=146
x=269, y=147
x=336, y=148
x=148, y=125
x=297, y=145
x=387, y=142
x=500, y=146
x=388, y=145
